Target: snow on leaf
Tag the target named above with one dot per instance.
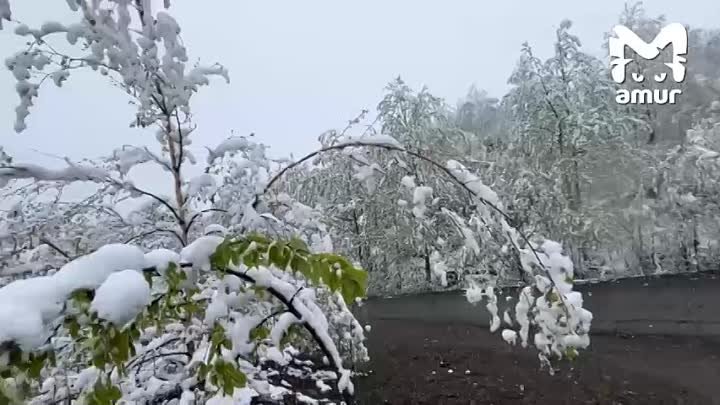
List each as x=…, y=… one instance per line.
x=161, y=259
x=230, y=145
x=71, y=173
x=22, y=325
x=370, y=139
x=420, y=196
x=121, y=297
x=42, y=298
x=284, y=322
x=200, y=250
x=509, y=336
x=199, y=183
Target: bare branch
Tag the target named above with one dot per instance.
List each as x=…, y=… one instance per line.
x=198, y=214
x=154, y=231
x=55, y=247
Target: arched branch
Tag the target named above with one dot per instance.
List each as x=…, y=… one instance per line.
x=198, y=214
x=442, y=168
x=154, y=231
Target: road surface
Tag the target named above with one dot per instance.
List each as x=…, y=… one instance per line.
x=655, y=341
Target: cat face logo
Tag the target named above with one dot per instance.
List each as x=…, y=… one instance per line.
x=674, y=34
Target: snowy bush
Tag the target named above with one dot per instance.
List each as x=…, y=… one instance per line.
x=111, y=325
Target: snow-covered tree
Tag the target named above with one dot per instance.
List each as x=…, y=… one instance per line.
x=234, y=284
x=192, y=317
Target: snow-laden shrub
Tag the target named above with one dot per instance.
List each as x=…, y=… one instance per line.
x=117, y=325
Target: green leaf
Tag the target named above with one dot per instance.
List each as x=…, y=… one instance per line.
x=354, y=284
x=203, y=370
x=291, y=334
x=35, y=365
x=300, y=265
x=280, y=255
x=229, y=377
x=552, y=297
x=260, y=240
x=299, y=245
x=259, y=333
x=73, y=326
x=82, y=296
x=220, y=259
x=571, y=353
x=174, y=277
x=218, y=339
x=251, y=258
x=104, y=394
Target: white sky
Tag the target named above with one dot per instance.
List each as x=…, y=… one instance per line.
x=301, y=67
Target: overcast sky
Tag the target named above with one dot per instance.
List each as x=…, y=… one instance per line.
x=301, y=67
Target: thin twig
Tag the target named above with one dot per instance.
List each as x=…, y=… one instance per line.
x=55, y=247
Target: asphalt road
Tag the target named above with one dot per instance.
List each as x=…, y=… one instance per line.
x=655, y=341
x=673, y=305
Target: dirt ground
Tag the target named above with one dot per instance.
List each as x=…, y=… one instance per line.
x=433, y=363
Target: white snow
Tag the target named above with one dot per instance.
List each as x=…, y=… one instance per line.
x=90, y=271
x=510, y=336
x=304, y=303
x=121, y=297
x=21, y=325
x=199, y=251
x=281, y=326
x=274, y=354
x=304, y=399
x=408, y=181
x=216, y=309
x=71, y=173
x=199, y=183
x=367, y=174
x=86, y=378
x=241, y=396
x=42, y=298
x=473, y=183
x=128, y=157
x=230, y=145
x=370, y=139
x=215, y=229
x=420, y=196
x=240, y=334
x=439, y=268
x=320, y=384
x=474, y=294
x=160, y=259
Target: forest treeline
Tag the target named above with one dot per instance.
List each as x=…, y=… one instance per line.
x=629, y=189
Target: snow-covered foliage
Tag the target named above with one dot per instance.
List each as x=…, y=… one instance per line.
x=160, y=303
x=220, y=291
x=111, y=320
